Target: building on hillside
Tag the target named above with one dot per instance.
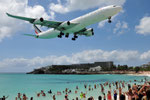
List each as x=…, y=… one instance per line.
x=107, y=64
x=146, y=65
x=95, y=69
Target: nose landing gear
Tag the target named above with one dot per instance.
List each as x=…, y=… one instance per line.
x=109, y=19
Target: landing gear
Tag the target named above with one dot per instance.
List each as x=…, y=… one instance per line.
x=109, y=19
x=60, y=35
x=92, y=33
x=75, y=37
x=67, y=35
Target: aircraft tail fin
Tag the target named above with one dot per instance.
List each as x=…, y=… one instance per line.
x=37, y=30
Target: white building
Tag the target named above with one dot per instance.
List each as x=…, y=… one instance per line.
x=95, y=69
x=146, y=65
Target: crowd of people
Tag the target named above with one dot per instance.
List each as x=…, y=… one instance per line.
x=118, y=90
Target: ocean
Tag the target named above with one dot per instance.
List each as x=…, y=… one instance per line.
x=12, y=84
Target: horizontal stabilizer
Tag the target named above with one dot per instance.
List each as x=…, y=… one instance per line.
x=30, y=35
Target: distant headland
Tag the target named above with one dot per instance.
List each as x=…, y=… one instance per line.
x=107, y=67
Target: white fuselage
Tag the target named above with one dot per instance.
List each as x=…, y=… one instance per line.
x=84, y=21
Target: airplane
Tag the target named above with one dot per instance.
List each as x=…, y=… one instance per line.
x=76, y=26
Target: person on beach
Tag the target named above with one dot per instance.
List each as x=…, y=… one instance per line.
x=130, y=95
x=4, y=98
x=116, y=85
x=109, y=95
x=66, y=95
x=147, y=96
x=91, y=98
x=43, y=94
x=50, y=91
x=102, y=88
x=95, y=86
x=77, y=98
x=104, y=96
x=99, y=98
x=110, y=86
x=24, y=97
x=58, y=93
x=134, y=87
x=38, y=94
x=115, y=95
x=129, y=86
x=85, y=86
x=54, y=98
x=144, y=92
x=19, y=95
x=31, y=98
x=76, y=91
x=66, y=98
x=77, y=87
x=122, y=97
x=81, y=95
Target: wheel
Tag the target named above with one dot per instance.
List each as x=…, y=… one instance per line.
x=75, y=36
x=109, y=21
x=73, y=39
x=67, y=35
x=61, y=33
x=59, y=36
x=92, y=33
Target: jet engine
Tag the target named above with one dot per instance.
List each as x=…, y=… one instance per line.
x=89, y=32
x=65, y=24
x=38, y=21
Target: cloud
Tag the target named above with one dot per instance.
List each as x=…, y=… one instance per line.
x=143, y=27
x=9, y=26
x=145, y=55
x=129, y=57
x=102, y=24
x=73, y=5
x=120, y=27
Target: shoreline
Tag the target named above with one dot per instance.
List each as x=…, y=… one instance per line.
x=140, y=73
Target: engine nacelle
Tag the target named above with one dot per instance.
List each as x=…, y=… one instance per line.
x=38, y=21
x=65, y=24
x=89, y=32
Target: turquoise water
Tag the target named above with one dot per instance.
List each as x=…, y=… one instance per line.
x=11, y=84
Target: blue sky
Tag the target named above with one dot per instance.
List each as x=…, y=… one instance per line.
x=124, y=41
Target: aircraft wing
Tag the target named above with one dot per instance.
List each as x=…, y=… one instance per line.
x=50, y=24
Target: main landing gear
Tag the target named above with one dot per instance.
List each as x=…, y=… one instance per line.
x=75, y=37
x=67, y=35
x=60, y=35
x=109, y=19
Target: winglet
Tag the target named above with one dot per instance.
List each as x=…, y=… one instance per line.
x=7, y=14
x=31, y=20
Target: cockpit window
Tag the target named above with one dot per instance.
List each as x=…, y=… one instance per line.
x=114, y=6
